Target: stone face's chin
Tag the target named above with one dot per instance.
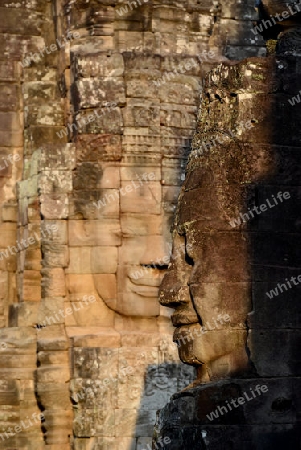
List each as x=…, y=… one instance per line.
x=189, y=358
x=198, y=346
x=184, y=336
x=138, y=292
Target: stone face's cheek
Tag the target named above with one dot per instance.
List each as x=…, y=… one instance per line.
x=174, y=287
x=140, y=257
x=222, y=257
x=212, y=300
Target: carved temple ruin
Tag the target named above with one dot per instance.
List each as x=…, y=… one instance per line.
x=143, y=146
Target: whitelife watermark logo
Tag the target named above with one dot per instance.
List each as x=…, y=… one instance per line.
x=25, y=243
x=205, y=328
x=269, y=23
x=9, y=160
x=240, y=400
x=124, y=9
x=18, y=428
x=36, y=57
x=259, y=209
x=222, y=137
x=287, y=285
x=55, y=319
x=295, y=100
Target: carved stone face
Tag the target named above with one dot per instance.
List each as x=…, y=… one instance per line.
x=210, y=285
x=142, y=254
x=143, y=250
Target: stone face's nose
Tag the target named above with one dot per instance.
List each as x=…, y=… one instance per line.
x=172, y=293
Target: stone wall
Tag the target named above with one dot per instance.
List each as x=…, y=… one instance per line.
x=84, y=339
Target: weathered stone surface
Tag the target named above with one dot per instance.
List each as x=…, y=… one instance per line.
x=89, y=118
x=244, y=398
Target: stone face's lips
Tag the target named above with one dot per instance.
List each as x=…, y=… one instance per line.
x=183, y=337
x=182, y=331
x=147, y=285
x=146, y=279
x=145, y=291
x=183, y=315
x=179, y=320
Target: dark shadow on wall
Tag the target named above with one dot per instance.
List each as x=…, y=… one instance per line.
x=274, y=338
x=161, y=381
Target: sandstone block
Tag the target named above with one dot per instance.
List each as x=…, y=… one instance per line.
x=178, y=116
x=141, y=224
x=141, y=114
x=184, y=88
x=144, y=88
x=93, y=92
x=100, y=65
x=23, y=314
x=51, y=374
x=53, y=358
x=133, y=199
x=94, y=232
x=52, y=338
x=53, y=282
x=9, y=213
x=96, y=337
x=53, y=181
x=96, y=204
x=140, y=174
x=58, y=233
x=103, y=146
x=51, y=114
x=49, y=311
x=125, y=422
x=55, y=255
x=110, y=178
x=9, y=97
x=41, y=134
x=106, y=121
x=57, y=156
x=89, y=314
x=93, y=44
x=130, y=392
x=80, y=286
x=8, y=71
x=54, y=206
x=8, y=234
x=87, y=174
x=104, y=259
x=37, y=92
x=106, y=287
x=32, y=259
x=31, y=285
